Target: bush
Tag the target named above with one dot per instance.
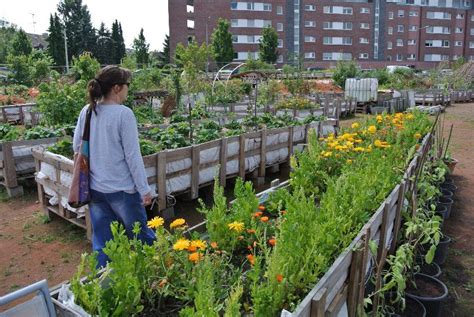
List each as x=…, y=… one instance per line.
x=85, y=66
x=344, y=70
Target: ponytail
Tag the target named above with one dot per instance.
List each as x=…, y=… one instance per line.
x=95, y=93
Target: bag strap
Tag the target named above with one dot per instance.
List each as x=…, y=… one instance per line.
x=87, y=125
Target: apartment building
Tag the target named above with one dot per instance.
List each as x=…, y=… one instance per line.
x=321, y=32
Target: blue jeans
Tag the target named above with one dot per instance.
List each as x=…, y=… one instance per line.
x=119, y=206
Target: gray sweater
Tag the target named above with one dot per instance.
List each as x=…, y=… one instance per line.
x=115, y=160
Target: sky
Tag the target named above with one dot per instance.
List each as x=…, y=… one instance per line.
x=151, y=15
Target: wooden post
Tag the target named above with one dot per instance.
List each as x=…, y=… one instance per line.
x=355, y=278
x=363, y=268
x=290, y=142
x=41, y=195
x=195, y=159
x=318, y=303
x=161, y=179
x=4, y=115
x=61, y=209
x=9, y=171
x=223, y=162
x=398, y=217
x=383, y=231
x=242, y=156
x=263, y=156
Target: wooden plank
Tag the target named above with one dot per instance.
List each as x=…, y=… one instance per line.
x=398, y=217
x=195, y=158
x=363, y=269
x=58, y=194
x=35, y=142
x=161, y=179
x=9, y=171
x=318, y=303
x=383, y=232
x=223, y=162
x=263, y=153
x=178, y=154
x=210, y=144
x=337, y=303
x=354, y=279
x=242, y=156
x=290, y=142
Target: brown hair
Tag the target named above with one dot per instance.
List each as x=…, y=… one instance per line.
x=103, y=82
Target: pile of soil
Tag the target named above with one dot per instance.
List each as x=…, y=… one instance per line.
x=11, y=100
x=424, y=288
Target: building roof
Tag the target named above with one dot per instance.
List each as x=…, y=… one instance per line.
x=38, y=41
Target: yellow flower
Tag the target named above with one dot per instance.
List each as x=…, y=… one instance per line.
x=177, y=223
x=349, y=144
x=369, y=148
x=155, y=222
x=409, y=116
x=236, y=226
x=332, y=144
x=381, y=144
x=181, y=244
x=198, y=244
x=355, y=125
x=359, y=149
x=349, y=161
x=372, y=129
x=379, y=118
x=417, y=136
x=326, y=154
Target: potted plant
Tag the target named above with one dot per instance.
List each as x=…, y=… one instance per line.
x=430, y=291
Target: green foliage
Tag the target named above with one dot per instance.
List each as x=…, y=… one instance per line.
x=148, y=147
x=40, y=132
x=192, y=58
x=9, y=132
x=256, y=64
x=55, y=40
x=63, y=147
x=382, y=75
x=344, y=70
x=165, y=55
x=118, y=44
x=141, y=50
x=7, y=34
x=21, y=44
x=222, y=46
x=85, y=66
x=19, y=64
x=268, y=51
x=61, y=103
x=296, y=103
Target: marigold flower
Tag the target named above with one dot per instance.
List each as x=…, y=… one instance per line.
x=163, y=283
x=272, y=242
x=355, y=125
x=257, y=214
x=214, y=245
x=349, y=161
x=236, y=226
x=409, y=116
x=261, y=208
x=197, y=244
x=250, y=231
x=326, y=154
x=381, y=144
x=155, y=222
x=177, y=223
x=283, y=212
x=379, y=118
x=279, y=278
x=251, y=259
x=359, y=149
x=372, y=129
x=181, y=244
x=417, y=136
x=195, y=257
x=264, y=219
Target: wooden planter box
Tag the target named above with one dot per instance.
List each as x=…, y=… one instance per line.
x=184, y=170
x=17, y=163
x=24, y=114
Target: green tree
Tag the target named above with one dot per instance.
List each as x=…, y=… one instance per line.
x=39, y=64
x=6, y=38
x=85, y=66
x=268, y=45
x=118, y=45
x=19, y=64
x=80, y=33
x=192, y=57
x=165, y=54
x=56, y=40
x=21, y=44
x=141, y=49
x=104, y=47
x=344, y=70
x=222, y=43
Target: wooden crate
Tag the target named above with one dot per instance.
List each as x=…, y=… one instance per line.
x=17, y=162
x=20, y=114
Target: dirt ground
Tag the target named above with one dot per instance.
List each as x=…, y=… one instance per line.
x=33, y=247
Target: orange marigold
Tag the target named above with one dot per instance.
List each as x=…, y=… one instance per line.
x=272, y=242
x=194, y=257
x=279, y=278
x=251, y=259
x=264, y=219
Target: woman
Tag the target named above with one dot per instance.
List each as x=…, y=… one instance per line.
x=118, y=182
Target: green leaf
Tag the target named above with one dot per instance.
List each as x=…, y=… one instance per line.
x=430, y=255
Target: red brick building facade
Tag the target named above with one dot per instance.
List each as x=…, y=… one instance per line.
x=372, y=32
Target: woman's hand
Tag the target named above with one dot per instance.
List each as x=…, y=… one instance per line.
x=146, y=200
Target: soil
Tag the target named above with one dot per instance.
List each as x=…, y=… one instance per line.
x=425, y=287
x=31, y=250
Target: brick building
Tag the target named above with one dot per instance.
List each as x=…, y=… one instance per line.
x=320, y=32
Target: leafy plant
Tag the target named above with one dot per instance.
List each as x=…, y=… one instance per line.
x=62, y=147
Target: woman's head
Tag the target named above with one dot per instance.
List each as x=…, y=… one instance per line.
x=109, y=80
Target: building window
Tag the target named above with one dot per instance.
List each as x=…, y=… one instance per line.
x=413, y=13
x=411, y=57
x=267, y=7
x=446, y=43
x=337, y=25
x=363, y=40
x=364, y=10
x=280, y=27
x=390, y=30
x=428, y=43
x=390, y=15
x=401, y=13
x=458, y=43
x=279, y=10
x=389, y=58
x=337, y=10
x=438, y=30
x=438, y=15
x=472, y=17
x=310, y=7
x=472, y=31
x=309, y=39
x=400, y=28
x=363, y=55
x=347, y=11
x=235, y=39
x=459, y=30
x=471, y=44
x=327, y=40
x=280, y=43
x=399, y=42
x=190, y=24
x=233, y=6
x=412, y=28
x=364, y=25
x=460, y=16
x=399, y=57
x=411, y=42
x=309, y=55
x=389, y=45
x=310, y=24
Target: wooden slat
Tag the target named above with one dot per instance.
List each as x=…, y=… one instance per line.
x=363, y=269
x=178, y=154
x=318, y=303
x=242, y=156
x=9, y=171
x=354, y=279
x=263, y=153
x=195, y=158
x=383, y=231
x=161, y=177
x=223, y=162
x=337, y=303
x=290, y=142
x=398, y=217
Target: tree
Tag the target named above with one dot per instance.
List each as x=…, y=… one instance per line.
x=105, y=46
x=6, y=38
x=118, y=45
x=85, y=66
x=344, y=70
x=79, y=30
x=19, y=64
x=141, y=49
x=193, y=57
x=21, y=44
x=268, y=45
x=56, y=40
x=222, y=43
x=165, y=54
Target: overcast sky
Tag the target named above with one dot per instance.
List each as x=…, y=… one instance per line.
x=151, y=15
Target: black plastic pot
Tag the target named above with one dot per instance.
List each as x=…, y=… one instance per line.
x=450, y=187
x=442, y=250
x=424, y=293
x=448, y=180
x=432, y=269
x=447, y=193
x=446, y=201
x=413, y=308
x=442, y=211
